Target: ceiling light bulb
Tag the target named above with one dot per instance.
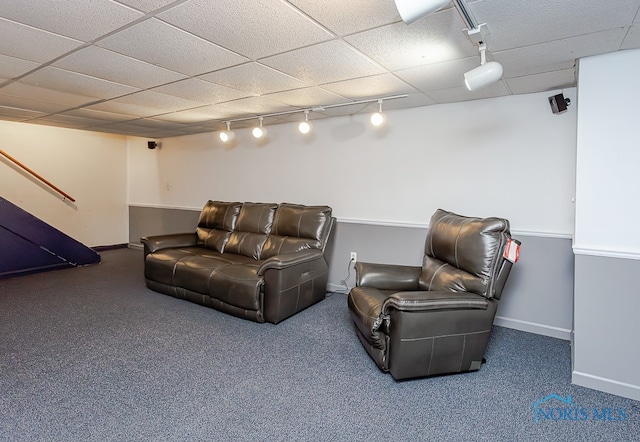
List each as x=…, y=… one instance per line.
x=377, y=119
x=304, y=127
x=259, y=132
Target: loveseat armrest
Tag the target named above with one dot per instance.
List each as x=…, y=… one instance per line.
x=387, y=276
x=286, y=260
x=419, y=301
x=158, y=242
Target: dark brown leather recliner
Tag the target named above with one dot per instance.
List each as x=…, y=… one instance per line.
x=434, y=319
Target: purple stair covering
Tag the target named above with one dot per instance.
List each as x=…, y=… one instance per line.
x=28, y=245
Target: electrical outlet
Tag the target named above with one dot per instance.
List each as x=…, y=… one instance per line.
x=354, y=257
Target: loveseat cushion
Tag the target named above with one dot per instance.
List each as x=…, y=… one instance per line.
x=217, y=220
x=297, y=228
x=459, y=259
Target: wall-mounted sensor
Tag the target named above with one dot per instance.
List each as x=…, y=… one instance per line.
x=152, y=144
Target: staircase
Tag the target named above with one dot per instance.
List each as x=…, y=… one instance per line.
x=29, y=245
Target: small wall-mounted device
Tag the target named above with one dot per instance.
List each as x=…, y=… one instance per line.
x=152, y=144
x=559, y=104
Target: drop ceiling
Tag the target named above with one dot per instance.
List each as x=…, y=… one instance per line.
x=160, y=68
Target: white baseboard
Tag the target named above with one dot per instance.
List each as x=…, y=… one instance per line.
x=532, y=327
x=607, y=385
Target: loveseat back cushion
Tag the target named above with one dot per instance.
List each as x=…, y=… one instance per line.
x=217, y=220
x=463, y=254
x=297, y=227
x=255, y=222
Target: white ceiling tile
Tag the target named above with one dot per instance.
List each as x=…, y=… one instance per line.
x=433, y=39
x=256, y=105
x=147, y=5
x=632, y=39
x=41, y=94
x=18, y=114
x=108, y=65
x=557, y=54
x=324, y=63
x=440, y=75
x=354, y=15
x=169, y=47
x=155, y=102
x=514, y=24
x=375, y=85
x=71, y=82
x=351, y=109
x=307, y=97
x=91, y=19
x=34, y=105
x=265, y=56
x=247, y=26
x=199, y=115
x=412, y=100
x=66, y=120
x=105, y=117
x=546, y=81
x=458, y=94
x=11, y=67
x=20, y=41
x=201, y=91
x=254, y=78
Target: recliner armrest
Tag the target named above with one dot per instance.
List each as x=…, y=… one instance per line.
x=387, y=276
x=436, y=300
x=280, y=262
x=159, y=242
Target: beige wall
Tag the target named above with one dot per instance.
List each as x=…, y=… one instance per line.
x=89, y=166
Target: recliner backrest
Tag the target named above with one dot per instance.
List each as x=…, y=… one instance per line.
x=255, y=221
x=216, y=222
x=464, y=254
x=297, y=227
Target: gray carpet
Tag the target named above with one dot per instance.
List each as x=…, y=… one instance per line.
x=90, y=354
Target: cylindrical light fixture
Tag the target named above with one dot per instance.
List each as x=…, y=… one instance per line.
x=412, y=10
x=483, y=75
x=305, y=127
x=377, y=118
x=259, y=132
x=227, y=135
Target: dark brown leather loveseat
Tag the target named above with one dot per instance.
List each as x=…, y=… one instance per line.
x=257, y=261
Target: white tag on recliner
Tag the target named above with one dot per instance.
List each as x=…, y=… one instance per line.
x=512, y=250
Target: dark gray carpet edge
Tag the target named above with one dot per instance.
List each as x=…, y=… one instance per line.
x=91, y=354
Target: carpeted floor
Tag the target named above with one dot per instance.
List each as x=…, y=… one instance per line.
x=90, y=354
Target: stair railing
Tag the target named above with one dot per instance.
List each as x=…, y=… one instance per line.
x=65, y=195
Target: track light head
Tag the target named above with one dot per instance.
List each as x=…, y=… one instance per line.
x=305, y=127
x=485, y=74
x=412, y=10
x=378, y=118
x=227, y=135
x=259, y=132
